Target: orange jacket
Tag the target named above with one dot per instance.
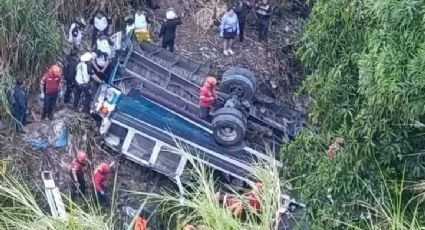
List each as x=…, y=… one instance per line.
x=140, y=224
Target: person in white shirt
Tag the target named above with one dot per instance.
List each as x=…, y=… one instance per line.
x=141, y=26
x=75, y=33
x=104, y=44
x=100, y=25
x=84, y=73
x=101, y=65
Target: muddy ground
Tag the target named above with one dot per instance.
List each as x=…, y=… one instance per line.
x=274, y=63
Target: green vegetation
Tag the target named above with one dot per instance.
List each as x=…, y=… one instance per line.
x=30, y=38
x=366, y=62
x=20, y=210
x=199, y=205
x=30, y=35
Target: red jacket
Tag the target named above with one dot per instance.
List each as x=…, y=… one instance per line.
x=140, y=224
x=253, y=201
x=206, y=96
x=99, y=180
x=51, y=83
x=77, y=166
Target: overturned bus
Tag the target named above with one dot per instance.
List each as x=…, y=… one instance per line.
x=149, y=109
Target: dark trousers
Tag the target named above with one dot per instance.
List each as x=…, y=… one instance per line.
x=82, y=90
x=168, y=44
x=151, y=4
x=103, y=199
x=20, y=114
x=204, y=113
x=49, y=105
x=263, y=29
x=94, y=36
x=241, y=30
x=70, y=86
x=82, y=185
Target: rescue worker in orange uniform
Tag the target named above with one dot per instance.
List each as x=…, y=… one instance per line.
x=235, y=205
x=253, y=197
x=50, y=89
x=77, y=174
x=141, y=223
x=99, y=178
x=207, y=96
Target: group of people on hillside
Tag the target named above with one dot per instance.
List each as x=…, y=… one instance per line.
x=233, y=22
x=78, y=183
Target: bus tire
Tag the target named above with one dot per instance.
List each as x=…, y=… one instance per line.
x=242, y=71
x=238, y=85
x=228, y=130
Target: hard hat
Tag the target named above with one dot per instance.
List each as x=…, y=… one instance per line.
x=170, y=14
x=104, y=168
x=81, y=156
x=55, y=70
x=211, y=81
x=86, y=57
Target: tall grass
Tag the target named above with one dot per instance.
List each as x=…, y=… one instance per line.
x=394, y=207
x=30, y=35
x=199, y=204
x=6, y=84
x=20, y=211
x=68, y=10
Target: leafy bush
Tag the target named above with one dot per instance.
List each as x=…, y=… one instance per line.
x=366, y=60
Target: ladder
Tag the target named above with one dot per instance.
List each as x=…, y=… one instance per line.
x=57, y=208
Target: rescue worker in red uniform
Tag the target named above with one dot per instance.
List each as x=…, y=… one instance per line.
x=236, y=206
x=141, y=223
x=253, y=197
x=77, y=174
x=50, y=89
x=99, y=178
x=207, y=96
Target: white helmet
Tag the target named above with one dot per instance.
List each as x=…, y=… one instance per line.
x=171, y=14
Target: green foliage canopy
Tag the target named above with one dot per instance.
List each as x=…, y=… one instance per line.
x=367, y=62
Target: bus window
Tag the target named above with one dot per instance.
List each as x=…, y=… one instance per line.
x=141, y=147
x=167, y=161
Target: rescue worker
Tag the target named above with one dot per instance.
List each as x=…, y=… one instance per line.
x=152, y=4
x=50, y=89
x=207, y=96
x=99, y=178
x=75, y=33
x=236, y=206
x=229, y=28
x=69, y=71
x=129, y=24
x=141, y=26
x=254, y=197
x=242, y=10
x=100, y=25
x=168, y=29
x=263, y=12
x=20, y=105
x=141, y=223
x=84, y=73
x=101, y=65
x=104, y=44
x=77, y=174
